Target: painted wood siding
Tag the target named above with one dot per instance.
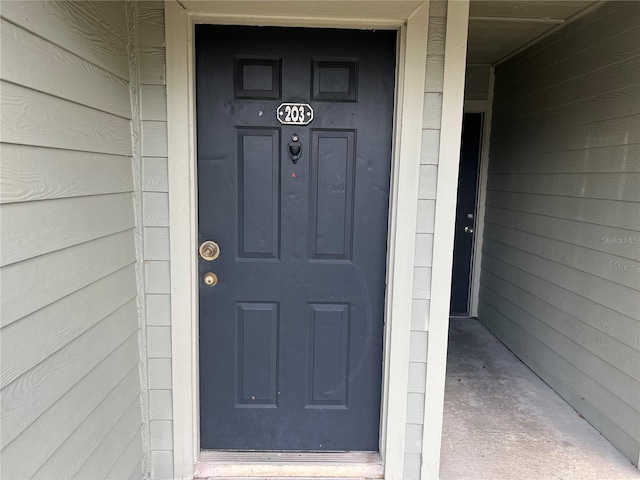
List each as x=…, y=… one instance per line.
x=560, y=282
x=69, y=378
x=155, y=221
x=424, y=239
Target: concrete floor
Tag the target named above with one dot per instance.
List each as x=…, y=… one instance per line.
x=501, y=421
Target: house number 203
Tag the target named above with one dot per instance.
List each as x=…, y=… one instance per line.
x=294, y=113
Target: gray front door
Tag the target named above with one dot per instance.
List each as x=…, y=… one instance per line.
x=291, y=333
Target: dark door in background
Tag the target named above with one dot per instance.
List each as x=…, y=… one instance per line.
x=465, y=212
x=291, y=335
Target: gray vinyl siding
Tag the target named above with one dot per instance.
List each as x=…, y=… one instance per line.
x=424, y=239
x=560, y=282
x=155, y=221
x=69, y=377
x=476, y=82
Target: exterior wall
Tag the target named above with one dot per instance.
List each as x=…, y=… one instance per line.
x=560, y=262
x=156, y=237
x=424, y=238
x=70, y=384
x=476, y=82
x=155, y=219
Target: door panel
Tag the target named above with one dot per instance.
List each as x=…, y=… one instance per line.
x=331, y=192
x=258, y=193
x=258, y=354
x=328, y=355
x=291, y=335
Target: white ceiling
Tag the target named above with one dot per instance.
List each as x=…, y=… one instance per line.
x=498, y=28
x=390, y=12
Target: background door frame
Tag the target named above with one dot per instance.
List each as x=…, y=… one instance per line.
x=410, y=18
x=469, y=272
x=484, y=107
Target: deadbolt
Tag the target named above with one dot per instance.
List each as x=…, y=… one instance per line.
x=209, y=250
x=210, y=279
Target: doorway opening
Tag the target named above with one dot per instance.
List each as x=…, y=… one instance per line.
x=294, y=162
x=409, y=20
x=466, y=211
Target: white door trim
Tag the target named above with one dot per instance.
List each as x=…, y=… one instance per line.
x=485, y=107
x=412, y=53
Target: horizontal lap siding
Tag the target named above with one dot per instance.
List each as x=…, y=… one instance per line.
x=476, y=82
x=69, y=341
x=560, y=282
x=155, y=219
x=424, y=238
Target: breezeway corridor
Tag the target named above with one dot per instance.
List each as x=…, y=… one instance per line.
x=501, y=421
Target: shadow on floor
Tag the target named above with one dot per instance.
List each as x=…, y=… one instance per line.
x=501, y=421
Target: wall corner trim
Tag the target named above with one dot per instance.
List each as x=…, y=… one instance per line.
x=182, y=220
x=402, y=235
x=131, y=9
x=448, y=163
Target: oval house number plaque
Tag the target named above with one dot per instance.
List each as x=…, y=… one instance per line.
x=294, y=113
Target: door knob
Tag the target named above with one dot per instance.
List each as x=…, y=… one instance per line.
x=210, y=279
x=209, y=250
x=468, y=229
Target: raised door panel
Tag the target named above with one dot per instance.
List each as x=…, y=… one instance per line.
x=257, y=347
x=258, y=192
x=331, y=194
x=329, y=342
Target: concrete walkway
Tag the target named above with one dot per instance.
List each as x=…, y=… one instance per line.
x=503, y=422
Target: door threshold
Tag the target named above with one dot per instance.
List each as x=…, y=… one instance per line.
x=294, y=465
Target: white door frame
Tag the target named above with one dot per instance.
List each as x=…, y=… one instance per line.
x=411, y=20
x=485, y=107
